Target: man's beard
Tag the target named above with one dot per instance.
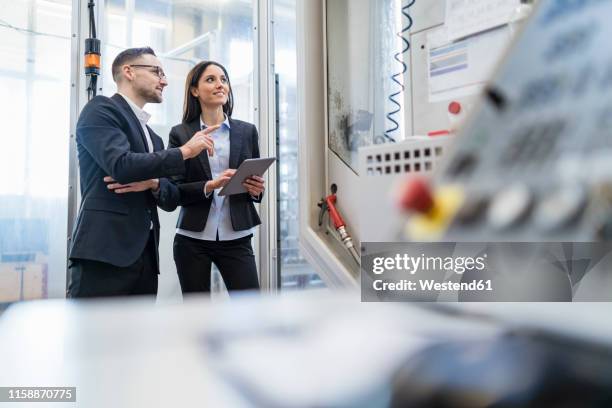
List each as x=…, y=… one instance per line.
x=151, y=96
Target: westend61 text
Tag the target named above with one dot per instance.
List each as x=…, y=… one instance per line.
x=432, y=285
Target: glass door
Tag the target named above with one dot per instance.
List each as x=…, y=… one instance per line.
x=183, y=34
x=295, y=272
x=35, y=62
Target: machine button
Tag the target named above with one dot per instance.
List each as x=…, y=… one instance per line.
x=561, y=207
x=416, y=196
x=473, y=208
x=510, y=206
x=454, y=108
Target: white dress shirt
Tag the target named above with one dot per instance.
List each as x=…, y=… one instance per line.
x=143, y=117
x=219, y=219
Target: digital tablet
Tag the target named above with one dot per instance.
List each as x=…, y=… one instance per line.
x=248, y=168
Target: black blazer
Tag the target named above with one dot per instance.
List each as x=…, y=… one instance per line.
x=195, y=205
x=114, y=228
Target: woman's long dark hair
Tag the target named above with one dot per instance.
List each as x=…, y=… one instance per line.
x=191, y=107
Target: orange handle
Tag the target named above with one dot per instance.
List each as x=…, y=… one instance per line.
x=333, y=212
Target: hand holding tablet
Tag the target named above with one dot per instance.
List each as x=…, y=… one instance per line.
x=248, y=168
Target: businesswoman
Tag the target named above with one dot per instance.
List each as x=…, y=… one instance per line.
x=212, y=228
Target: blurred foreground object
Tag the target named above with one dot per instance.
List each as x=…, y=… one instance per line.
x=515, y=370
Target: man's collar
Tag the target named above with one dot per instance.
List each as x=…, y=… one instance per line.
x=141, y=114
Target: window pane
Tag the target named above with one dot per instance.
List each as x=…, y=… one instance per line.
x=35, y=79
x=183, y=34
x=295, y=271
x=364, y=98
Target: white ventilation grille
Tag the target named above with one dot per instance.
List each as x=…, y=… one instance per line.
x=411, y=156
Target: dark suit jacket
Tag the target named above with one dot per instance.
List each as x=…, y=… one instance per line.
x=114, y=228
x=244, y=144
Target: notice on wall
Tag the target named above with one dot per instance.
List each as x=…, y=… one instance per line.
x=467, y=17
x=462, y=68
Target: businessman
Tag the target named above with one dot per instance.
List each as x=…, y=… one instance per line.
x=123, y=165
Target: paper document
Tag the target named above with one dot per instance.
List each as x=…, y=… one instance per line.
x=462, y=68
x=467, y=17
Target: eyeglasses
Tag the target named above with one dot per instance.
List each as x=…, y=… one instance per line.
x=156, y=69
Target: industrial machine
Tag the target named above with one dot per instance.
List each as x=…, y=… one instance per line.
x=533, y=161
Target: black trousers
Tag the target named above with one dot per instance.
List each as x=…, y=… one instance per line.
x=89, y=279
x=235, y=260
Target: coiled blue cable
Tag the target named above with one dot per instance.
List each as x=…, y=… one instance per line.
x=395, y=77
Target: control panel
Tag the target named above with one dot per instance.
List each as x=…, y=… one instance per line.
x=534, y=160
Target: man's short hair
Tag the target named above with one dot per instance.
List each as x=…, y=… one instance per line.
x=128, y=56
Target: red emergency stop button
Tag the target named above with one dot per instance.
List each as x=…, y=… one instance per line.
x=454, y=107
x=416, y=196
